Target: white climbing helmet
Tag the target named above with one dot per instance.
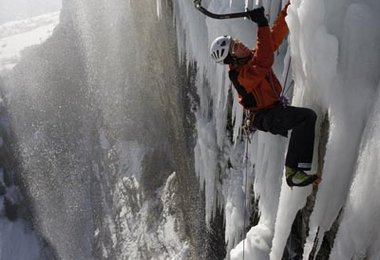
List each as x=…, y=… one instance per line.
x=220, y=47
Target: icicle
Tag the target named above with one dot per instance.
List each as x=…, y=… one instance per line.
x=159, y=8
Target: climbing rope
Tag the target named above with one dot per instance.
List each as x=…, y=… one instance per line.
x=248, y=129
x=282, y=96
x=286, y=88
x=287, y=75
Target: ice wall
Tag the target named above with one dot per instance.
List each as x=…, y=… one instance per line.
x=334, y=60
x=220, y=163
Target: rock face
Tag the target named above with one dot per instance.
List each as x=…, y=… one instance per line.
x=99, y=123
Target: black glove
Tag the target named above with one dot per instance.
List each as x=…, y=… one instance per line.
x=233, y=75
x=248, y=101
x=257, y=15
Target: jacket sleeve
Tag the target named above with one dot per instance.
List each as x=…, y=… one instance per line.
x=263, y=55
x=280, y=28
x=262, y=61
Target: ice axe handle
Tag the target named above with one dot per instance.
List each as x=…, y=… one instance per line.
x=203, y=10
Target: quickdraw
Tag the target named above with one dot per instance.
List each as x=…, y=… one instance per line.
x=248, y=127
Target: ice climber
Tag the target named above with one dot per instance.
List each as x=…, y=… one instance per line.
x=259, y=91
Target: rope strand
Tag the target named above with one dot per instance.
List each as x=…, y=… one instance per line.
x=248, y=130
x=287, y=72
x=245, y=192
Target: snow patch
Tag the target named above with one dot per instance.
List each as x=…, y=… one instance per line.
x=15, y=37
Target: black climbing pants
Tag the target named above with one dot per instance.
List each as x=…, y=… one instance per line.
x=279, y=120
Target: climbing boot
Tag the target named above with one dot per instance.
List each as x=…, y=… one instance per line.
x=296, y=177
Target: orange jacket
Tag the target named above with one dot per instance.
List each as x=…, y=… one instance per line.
x=256, y=76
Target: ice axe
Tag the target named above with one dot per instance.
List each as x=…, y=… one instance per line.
x=198, y=5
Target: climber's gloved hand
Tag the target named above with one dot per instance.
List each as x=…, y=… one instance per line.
x=248, y=101
x=257, y=15
x=233, y=75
